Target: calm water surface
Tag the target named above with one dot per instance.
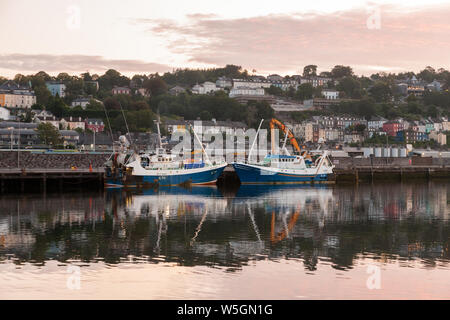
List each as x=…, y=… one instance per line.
x=377, y=241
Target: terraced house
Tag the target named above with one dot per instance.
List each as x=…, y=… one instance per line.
x=13, y=95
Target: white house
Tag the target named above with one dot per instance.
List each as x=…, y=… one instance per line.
x=375, y=123
x=237, y=83
x=83, y=102
x=206, y=87
x=4, y=114
x=330, y=94
x=224, y=82
x=315, y=81
x=246, y=91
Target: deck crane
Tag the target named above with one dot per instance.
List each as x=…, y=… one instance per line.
x=288, y=134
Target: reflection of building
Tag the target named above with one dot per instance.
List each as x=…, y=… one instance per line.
x=199, y=226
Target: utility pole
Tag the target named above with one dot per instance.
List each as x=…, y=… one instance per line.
x=95, y=129
x=18, y=148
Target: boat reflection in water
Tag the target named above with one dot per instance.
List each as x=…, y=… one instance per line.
x=201, y=226
x=311, y=229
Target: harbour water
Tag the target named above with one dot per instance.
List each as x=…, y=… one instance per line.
x=369, y=241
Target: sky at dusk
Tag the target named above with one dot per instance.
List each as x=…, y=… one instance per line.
x=281, y=36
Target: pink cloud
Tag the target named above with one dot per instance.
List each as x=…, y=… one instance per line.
x=406, y=40
x=74, y=63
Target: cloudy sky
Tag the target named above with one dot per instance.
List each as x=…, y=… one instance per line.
x=146, y=36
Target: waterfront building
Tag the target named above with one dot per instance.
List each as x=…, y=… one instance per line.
x=70, y=137
x=102, y=141
x=17, y=125
x=56, y=88
x=9, y=137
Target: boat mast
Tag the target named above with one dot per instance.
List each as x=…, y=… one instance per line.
x=159, y=131
x=254, y=141
x=201, y=145
x=284, y=144
x=126, y=123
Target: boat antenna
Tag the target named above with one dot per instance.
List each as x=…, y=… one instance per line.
x=254, y=141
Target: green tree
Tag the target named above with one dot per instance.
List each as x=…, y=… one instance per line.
x=428, y=74
x=351, y=87
x=310, y=70
x=205, y=115
x=57, y=106
x=155, y=86
x=94, y=105
x=380, y=91
x=305, y=91
x=340, y=71
x=273, y=90
x=48, y=134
